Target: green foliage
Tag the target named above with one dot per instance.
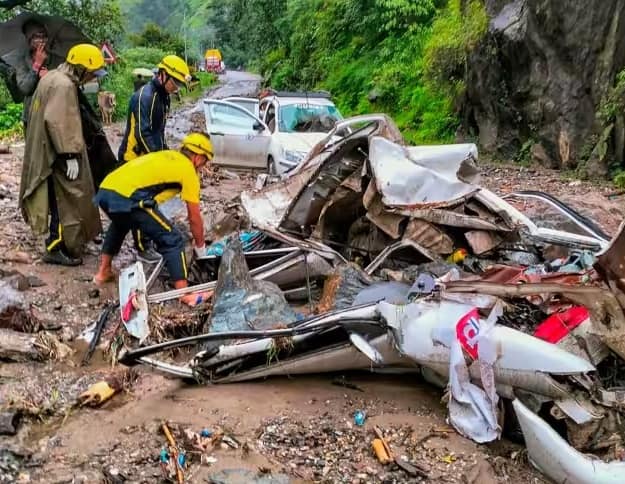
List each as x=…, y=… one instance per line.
x=524, y=156
x=147, y=57
x=154, y=37
x=454, y=35
x=619, y=179
x=5, y=96
x=10, y=120
x=120, y=80
x=207, y=79
x=614, y=102
x=370, y=55
x=99, y=19
x=245, y=30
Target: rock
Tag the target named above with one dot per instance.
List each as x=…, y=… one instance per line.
x=94, y=293
x=17, y=256
x=540, y=74
x=539, y=155
x=481, y=473
x=34, y=281
x=9, y=422
x=18, y=281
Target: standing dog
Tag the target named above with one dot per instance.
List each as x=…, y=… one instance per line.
x=107, y=103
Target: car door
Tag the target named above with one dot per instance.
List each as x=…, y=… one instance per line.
x=239, y=138
x=249, y=103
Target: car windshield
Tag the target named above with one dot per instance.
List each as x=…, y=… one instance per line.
x=308, y=118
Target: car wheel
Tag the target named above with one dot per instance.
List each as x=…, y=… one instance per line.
x=271, y=166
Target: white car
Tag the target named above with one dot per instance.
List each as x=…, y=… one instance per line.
x=275, y=132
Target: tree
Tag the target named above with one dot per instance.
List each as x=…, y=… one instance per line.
x=154, y=36
x=99, y=19
x=247, y=30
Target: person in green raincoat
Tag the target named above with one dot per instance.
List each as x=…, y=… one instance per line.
x=56, y=189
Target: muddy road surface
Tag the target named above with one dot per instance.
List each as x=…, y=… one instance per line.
x=237, y=83
x=298, y=429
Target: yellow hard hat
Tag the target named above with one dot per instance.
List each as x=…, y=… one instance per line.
x=176, y=68
x=199, y=143
x=87, y=56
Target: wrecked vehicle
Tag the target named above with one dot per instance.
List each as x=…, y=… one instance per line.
x=274, y=132
x=404, y=263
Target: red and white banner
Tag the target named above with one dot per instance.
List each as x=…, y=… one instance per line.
x=467, y=330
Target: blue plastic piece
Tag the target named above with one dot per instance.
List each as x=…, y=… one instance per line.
x=360, y=417
x=249, y=241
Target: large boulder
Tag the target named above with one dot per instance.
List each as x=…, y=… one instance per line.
x=539, y=76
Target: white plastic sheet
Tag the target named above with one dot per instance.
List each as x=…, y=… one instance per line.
x=473, y=410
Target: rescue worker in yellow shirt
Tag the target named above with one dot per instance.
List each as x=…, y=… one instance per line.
x=145, y=125
x=130, y=196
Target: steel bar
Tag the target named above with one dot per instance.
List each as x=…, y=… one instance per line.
x=259, y=271
x=131, y=356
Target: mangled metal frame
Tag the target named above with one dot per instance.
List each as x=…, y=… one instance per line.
x=271, y=207
x=326, y=168
x=337, y=164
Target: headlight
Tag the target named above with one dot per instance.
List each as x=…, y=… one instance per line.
x=294, y=156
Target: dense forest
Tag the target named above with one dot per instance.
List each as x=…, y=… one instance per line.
x=403, y=57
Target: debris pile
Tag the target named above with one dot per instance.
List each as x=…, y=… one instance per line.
x=323, y=449
x=187, y=449
x=403, y=262
x=56, y=394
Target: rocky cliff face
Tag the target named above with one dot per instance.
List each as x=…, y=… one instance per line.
x=539, y=75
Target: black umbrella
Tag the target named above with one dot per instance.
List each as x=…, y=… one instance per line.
x=62, y=36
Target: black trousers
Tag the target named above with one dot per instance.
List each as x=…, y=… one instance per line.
x=153, y=224
x=54, y=241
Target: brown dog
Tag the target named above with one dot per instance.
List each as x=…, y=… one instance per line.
x=107, y=103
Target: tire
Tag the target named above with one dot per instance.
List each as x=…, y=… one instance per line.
x=271, y=166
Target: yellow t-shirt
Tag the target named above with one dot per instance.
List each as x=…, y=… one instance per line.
x=160, y=175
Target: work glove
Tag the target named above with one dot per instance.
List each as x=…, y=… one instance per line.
x=72, y=168
x=200, y=251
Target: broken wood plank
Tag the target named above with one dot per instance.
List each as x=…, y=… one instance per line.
x=18, y=347
x=21, y=347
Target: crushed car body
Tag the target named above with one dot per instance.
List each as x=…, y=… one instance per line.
x=404, y=263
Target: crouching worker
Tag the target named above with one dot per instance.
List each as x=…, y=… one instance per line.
x=130, y=196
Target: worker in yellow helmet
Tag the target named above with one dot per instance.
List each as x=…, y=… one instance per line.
x=56, y=188
x=130, y=196
x=148, y=108
x=145, y=125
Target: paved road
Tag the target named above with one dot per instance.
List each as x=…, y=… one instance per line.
x=237, y=83
x=232, y=83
